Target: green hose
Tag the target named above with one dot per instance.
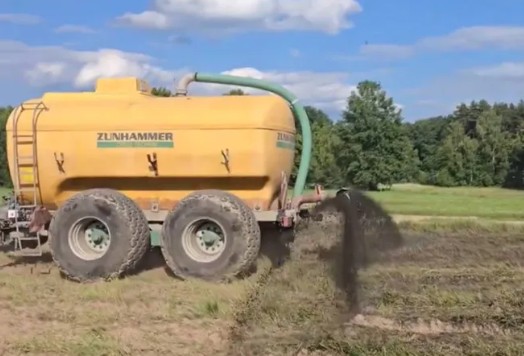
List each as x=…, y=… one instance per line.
x=297, y=108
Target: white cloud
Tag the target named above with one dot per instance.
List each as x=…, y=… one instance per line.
x=499, y=83
x=20, y=19
x=226, y=16
x=147, y=19
x=477, y=37
x=46, y=72
x=74, y=29
x=399, y=106
x=463, y=39
x=503, y=71
x=114, y=63
x=325, y=90
x=47, y=65
x=43, y=67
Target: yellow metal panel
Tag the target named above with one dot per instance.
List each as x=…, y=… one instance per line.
x=126, y=85
x=237, y=143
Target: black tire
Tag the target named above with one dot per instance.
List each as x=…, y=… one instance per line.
x=126, y=223
x=239, y=225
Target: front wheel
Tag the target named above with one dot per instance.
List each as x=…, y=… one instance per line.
x=98, y=234
x=210, y=235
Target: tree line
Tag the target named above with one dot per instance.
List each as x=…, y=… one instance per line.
x=371, y=147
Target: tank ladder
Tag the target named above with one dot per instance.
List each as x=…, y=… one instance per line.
x=32, y=188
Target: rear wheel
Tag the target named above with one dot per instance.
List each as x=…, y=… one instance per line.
x=98, y=233
x=210, y=235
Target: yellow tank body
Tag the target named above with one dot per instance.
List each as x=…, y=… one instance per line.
x=102, y=139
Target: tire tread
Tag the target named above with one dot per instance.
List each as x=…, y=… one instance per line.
x=229, y=201
x=140, y=233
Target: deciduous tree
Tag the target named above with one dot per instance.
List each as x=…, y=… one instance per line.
x=375, y=146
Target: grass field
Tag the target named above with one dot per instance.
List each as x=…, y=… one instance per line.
x=420, y=200
x=451, y=288
x=492, y=203
x=439, y=294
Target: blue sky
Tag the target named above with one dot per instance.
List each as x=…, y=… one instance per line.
x=429, y=55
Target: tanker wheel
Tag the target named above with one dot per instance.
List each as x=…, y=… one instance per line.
x=98, y=234
x=211, y=235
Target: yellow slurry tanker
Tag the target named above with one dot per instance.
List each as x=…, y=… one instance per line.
x=107, y=174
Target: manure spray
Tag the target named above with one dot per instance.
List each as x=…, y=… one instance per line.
x=358, y=231
x=308, y=300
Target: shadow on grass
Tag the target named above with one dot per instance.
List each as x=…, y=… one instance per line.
x=46, y=258
x=18, y=258
x=273, y=246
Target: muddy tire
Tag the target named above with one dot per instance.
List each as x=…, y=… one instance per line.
x=98, y=234
x=210, y=235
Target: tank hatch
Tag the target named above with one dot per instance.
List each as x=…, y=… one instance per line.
x=123, y=85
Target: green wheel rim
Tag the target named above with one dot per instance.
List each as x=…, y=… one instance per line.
x=204, y=240
x=89, y=238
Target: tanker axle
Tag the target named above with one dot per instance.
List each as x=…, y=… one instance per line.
x=197, y=237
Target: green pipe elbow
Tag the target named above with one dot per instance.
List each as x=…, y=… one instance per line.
x=297, y=109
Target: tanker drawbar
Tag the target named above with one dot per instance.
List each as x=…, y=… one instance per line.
x=102, y=177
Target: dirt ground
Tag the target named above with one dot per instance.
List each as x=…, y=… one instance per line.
x=431, y=294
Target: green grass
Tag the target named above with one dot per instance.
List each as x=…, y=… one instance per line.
x=495, y=203
x=415, y=199
x=150, y=313
x=439, y=294
x=453, y=288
